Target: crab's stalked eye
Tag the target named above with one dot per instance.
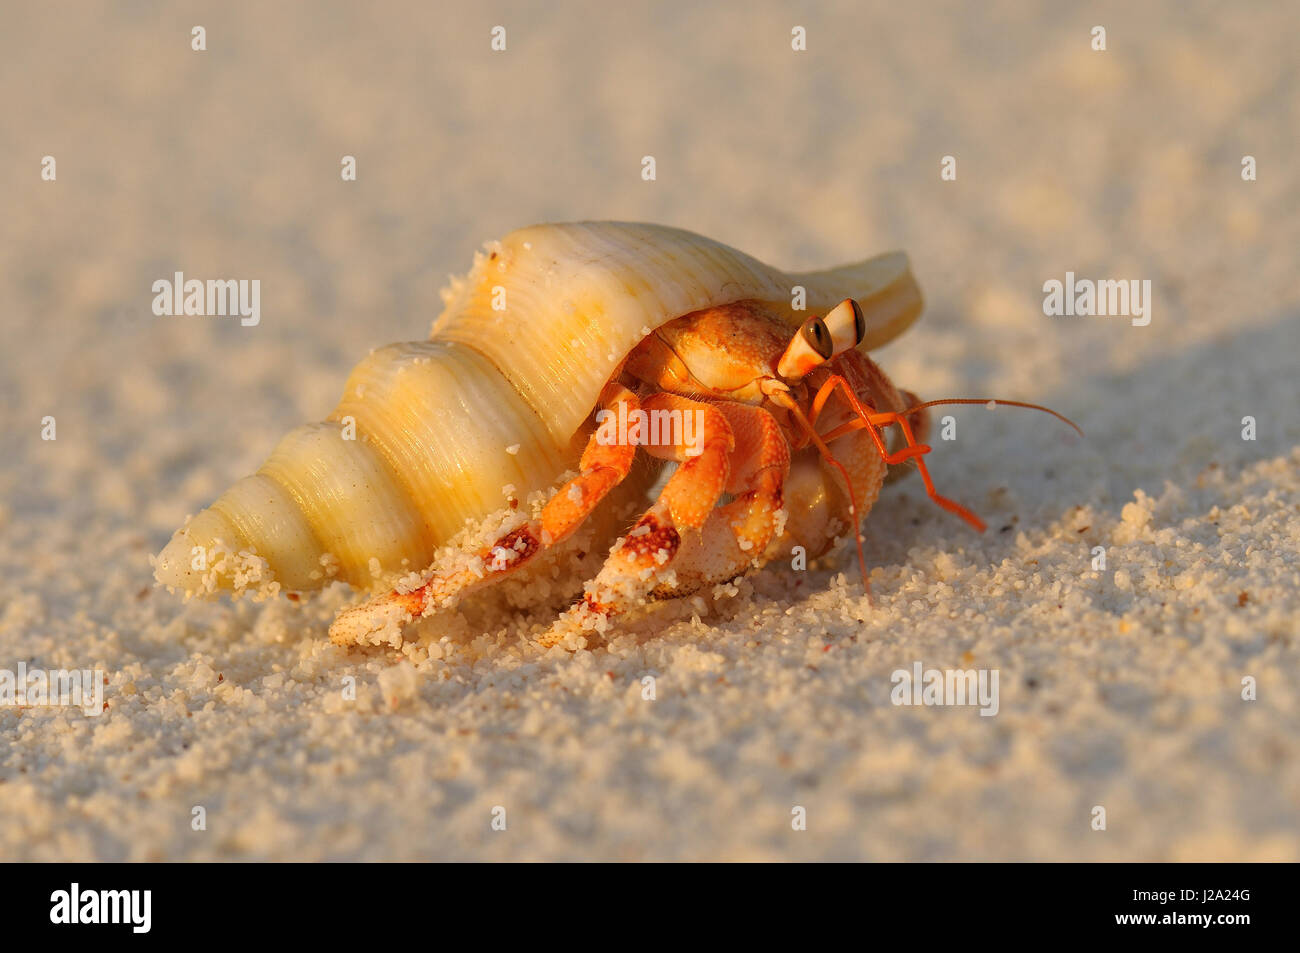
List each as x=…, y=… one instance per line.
x=811, y=347
x=818, y=336
x=847, y=325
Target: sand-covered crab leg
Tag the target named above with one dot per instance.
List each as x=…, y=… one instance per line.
x=636, y=561
x=736, y=535
x=743, y=452
x=604, y=464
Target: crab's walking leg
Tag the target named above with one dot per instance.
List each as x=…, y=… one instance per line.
x=637, y=560
x=730, y=538
x=870, y=421
x=605, y=463
x=736, y=535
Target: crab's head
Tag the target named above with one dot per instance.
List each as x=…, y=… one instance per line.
x=816, y=344
x=743, y=351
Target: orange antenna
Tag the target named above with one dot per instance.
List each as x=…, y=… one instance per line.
x=868, y=419
x=873, y=420
x=991, y=403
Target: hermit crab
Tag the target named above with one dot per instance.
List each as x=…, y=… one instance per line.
x=569, y=353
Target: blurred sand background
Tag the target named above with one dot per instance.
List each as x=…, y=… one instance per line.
x=1119, y=688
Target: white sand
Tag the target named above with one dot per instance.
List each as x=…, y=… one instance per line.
x=1119, y=688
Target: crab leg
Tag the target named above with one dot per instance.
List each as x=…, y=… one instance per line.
x=736, y=535
x=753, y=469
x=603, y=466
x=637, y=561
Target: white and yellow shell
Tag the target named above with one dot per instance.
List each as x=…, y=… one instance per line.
x=497, y=396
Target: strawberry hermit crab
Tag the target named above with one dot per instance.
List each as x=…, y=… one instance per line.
x=568, y=354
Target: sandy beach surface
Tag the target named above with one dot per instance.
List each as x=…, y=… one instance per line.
x=1119, y=687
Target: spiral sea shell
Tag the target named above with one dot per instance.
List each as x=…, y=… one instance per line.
x=428, y=432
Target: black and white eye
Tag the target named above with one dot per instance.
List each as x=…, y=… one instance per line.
x=810, y=348
x=818, y=337
x=847, y=325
